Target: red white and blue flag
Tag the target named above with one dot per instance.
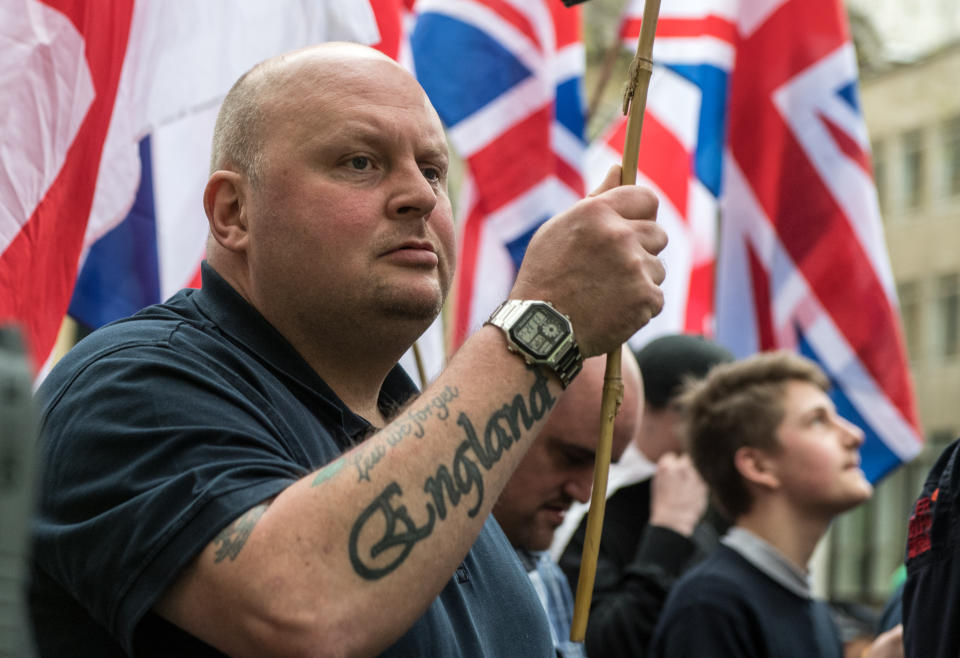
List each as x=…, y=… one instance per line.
x=681, y=150
x=802, y=262
x=505, y=77
x=88, y=92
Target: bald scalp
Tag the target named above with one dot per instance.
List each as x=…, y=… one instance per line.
x=239, y=134
x=585, y=393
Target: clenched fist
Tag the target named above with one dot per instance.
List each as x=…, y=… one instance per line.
x=597, y=262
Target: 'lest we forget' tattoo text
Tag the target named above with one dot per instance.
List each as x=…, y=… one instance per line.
x=502, y=429
x=399, y=530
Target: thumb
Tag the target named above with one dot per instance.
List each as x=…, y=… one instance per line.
x=610, y=181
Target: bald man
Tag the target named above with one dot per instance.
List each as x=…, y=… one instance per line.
x=556, y=471
x=241, y=470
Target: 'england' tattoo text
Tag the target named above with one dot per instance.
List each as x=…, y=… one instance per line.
x=398, y=532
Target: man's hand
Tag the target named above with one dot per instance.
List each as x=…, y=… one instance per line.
x=597, y=263
x=678, y=496
x=887, y=645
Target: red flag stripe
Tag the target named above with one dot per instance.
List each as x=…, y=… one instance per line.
x=718, y=27
x=762, y=307
x=515, y=18
x=502, y=170
x=662, y=158
x=699, y=312
x=849, y=147
x=466, y=272
x=40, y=264
x=389, y=16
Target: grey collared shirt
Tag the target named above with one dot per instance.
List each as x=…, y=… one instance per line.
x=769, y=560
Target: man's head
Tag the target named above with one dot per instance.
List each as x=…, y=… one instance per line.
x=558, y=467
x=327, y=195
x=764, y=426
x=666, y=364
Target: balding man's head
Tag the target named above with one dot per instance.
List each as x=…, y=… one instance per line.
x=558, y=468
x=318, y=155
x=239, y=131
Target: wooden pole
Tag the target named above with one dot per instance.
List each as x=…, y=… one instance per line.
x=634, y=104
x=421, y=371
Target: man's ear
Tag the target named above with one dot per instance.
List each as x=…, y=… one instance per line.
x=756, y=467
x=224, y=201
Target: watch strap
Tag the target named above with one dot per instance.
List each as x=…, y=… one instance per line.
x=565, y=360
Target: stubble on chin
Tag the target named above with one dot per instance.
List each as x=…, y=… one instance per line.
x=407, y=305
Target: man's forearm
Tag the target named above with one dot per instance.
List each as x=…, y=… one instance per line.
x=383, y=526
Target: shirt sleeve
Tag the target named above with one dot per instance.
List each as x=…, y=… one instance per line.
x=149, y=453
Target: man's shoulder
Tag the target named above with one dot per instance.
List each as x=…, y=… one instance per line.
x=722, y=576
x=153, y=335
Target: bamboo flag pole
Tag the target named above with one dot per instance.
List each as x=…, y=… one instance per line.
x=421, y=371
x=634, y=103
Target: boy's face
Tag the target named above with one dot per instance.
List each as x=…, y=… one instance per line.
x=818, y=464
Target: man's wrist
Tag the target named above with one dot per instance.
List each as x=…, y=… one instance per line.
x=540, y=334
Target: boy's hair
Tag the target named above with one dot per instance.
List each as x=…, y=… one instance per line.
x=740, y=404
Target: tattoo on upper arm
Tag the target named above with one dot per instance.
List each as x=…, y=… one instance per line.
x=396, y=529
x=328, y=471
x=364, y=458
x=411, y=424
x=232, y=538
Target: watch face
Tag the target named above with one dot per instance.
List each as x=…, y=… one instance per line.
x=539, y=330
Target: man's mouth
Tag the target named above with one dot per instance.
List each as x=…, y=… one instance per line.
x=414, y=252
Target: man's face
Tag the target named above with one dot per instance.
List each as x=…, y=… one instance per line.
x=351, y=213
x=818, y=464
x=558, y=467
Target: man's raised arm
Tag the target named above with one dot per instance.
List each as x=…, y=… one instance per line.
x=384, y=527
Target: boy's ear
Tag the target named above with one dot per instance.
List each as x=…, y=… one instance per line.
x=756, y=467
x=224, y=201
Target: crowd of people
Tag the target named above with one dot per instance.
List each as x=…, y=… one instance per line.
x=245, y=470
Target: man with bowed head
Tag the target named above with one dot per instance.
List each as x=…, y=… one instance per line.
x=558, y=470
x=234, y=472
x=654, y=527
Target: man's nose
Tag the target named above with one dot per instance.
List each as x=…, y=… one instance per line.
x=412, y=195
x=578, y=486
x=854, y=436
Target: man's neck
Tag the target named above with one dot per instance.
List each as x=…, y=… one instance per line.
x=353, y=354
x=790, y=533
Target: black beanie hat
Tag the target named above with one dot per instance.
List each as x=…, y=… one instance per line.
x=665, y=363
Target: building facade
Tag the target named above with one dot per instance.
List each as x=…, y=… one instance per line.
x=913, y=119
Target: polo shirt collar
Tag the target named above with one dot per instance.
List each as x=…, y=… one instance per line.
x=765, y=557
x=243, y=323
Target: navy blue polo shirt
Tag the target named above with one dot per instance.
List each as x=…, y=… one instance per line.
x=160, y=430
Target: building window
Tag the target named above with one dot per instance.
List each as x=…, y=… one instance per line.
x=909, y=294
x=951, y=158
x=914, y=165
x=880, y=173
x=947, y=325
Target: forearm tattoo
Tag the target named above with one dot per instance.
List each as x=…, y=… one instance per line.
x=386, y=530
x=232, y=538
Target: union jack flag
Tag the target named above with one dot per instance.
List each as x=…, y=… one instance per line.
x=505, y=77
x=681, y=150
x=802, y=261
x=109, y=122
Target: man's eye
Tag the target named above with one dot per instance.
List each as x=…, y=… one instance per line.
x=431, y=174
x=359, y=162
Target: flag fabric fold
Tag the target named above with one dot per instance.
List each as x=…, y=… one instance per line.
x=82, y=86
x=505, y=77
x=802, y=262
x=681, y=148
